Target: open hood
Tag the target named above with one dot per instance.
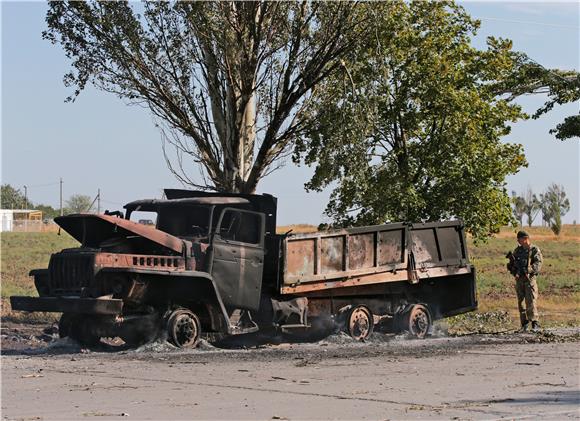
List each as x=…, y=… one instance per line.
x=91, y=230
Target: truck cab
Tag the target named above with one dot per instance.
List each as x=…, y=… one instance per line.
x=204, y=258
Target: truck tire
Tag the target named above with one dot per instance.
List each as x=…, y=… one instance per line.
x=359, y=323
x=416, y=320
x=78, y=327
x=64, y=325
x=183, y=328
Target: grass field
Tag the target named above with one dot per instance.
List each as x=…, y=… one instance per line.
x=559, y=283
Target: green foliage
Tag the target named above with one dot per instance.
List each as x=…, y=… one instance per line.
x=412, y=127
x=226, y=81
x=554, y=205
x=79, y=203
x=569, y=128
x=11, y=198
x=14, y=199
x=560, y=86
x=527, y=204
x=48, y=212
x=519, y=207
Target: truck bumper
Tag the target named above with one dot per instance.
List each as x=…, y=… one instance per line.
x=108, y=306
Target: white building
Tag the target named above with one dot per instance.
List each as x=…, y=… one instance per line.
x=20, y=220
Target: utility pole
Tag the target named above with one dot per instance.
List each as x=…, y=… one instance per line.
x=98, y=201
x=61, y=210
x=25, y=197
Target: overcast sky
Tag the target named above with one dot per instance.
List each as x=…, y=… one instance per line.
x=99, y=142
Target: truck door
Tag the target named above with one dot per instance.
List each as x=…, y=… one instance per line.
x=238, y=257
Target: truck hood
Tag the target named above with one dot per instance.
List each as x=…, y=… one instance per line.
x=91, y=230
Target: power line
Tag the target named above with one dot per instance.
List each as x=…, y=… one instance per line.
x=43, y=185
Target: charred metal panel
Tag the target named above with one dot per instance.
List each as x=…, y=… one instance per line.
x=237, y=266
x=301, y=257
x=425, y=247
x=70, y=271
x=68, y=305
x=91, y=230
x=117, y=260
x=150, y=205
x=346, y=280
x=392, y=247
x=450, y=243
x=332, y=254
x=438, y=244
x=361, y=251
x=352, y=258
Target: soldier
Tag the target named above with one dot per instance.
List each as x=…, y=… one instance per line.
x=525, y=264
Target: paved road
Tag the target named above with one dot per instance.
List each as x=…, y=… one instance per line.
x=473, y=377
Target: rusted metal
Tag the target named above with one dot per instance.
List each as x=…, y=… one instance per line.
x=153, y=204
x=415, y=320
x=301, y=258
x=377, y=254
x=353, y=281
x=214, y=262
x=118, y=260
x=361, y=249
x=90, y=230
x=360, y=323
x=64, y=304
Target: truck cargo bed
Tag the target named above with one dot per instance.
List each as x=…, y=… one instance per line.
x=373, y=255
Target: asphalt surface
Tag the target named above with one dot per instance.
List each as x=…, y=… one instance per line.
x=502, y=376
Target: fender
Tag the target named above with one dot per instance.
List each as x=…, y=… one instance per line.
x=195, y=284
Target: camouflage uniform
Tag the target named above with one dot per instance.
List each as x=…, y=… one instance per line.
x=527, y=265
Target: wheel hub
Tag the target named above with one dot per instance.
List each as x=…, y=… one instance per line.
x=360, y=323
x=183, y=328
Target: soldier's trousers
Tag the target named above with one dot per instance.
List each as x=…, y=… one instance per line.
x=527, y=292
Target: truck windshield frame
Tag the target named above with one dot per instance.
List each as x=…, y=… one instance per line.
x=185, y=221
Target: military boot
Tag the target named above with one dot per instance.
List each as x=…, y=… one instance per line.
x=535, y=326
x=525, y=326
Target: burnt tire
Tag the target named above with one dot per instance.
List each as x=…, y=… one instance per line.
x=359, y=323
x=78, y=328
x=64, y=325
x=183, y=328
x=416, y=320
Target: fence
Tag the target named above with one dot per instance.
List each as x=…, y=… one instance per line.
x=23, y=225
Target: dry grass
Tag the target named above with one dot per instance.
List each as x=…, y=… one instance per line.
x=559, y=283
x=296, y=228
x=571, y=232
x=20, y=253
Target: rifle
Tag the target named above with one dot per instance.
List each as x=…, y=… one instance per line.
x=511, y=265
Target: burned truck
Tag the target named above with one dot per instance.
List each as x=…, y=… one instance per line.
x=213, y=263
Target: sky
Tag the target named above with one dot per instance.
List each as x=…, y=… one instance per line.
x=98, y=142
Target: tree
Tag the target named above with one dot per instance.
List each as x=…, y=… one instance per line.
x=412, y=127
x=48, y=212
x=519, y=208
x=227, y=82
x=11, y=198
x=79, y=203
x=554, y=205
x=530, y=205
x=560, y=86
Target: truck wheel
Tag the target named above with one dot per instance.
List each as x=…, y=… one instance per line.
x=75, y=327
x=183, y=328
x=416, y=320
x=65, y=325
x=359, y=323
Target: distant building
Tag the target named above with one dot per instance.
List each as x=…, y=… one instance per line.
x=20, y=220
